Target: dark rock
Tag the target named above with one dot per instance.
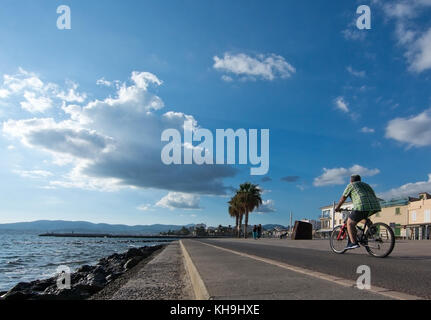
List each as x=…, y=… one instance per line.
x=41, y=285
x=21, y=287
x=75, y=293
x=86, y=281
x=113, y=276
x=133, y=262
x=22, y=291
x=86, y=290
x=86, y=268
x=114, y=256
x=133, y=252
x=19, y=295
x=96, y=279
x=77, y=276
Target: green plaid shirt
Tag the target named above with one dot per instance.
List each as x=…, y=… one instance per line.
x=363, y=197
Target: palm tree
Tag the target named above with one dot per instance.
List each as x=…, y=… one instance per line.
x=235, y=210
x=249, y=198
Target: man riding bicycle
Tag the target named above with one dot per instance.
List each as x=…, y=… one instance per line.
x=365, y=204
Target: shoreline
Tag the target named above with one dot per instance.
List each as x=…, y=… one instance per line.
x=108, y=235
x=87, y=280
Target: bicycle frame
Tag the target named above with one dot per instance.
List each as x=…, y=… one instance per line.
x=343, y=231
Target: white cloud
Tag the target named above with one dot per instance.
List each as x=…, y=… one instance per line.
x=367, y=130
x=37, y=96
x=226, y=78
x=115, y=143
x=301, y=187
x=58, y=137
x=416, y=42
x=4, y=93
x=78, y=179
x=419, y=54
x=179, y=200
x=338, y=176
x=341, y=104
x=21, y=81
x=415, y=131
x=267, y=206
x=144, y=79
x=35, y=104
x=33, y=173
x=265, y=191
x=353, y=34
x=103, y=82
x=360, y=74
x=408, y=189
x=145, y=207
x=72, y=95
x=35, y=92
x=266, y=67
x=400, y=10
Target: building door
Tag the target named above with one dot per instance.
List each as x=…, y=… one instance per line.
x=397, y=230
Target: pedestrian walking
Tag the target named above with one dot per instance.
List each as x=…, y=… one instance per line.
x=259, y=231
x=254, y=232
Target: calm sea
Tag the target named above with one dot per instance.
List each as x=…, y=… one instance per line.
x=27, y=257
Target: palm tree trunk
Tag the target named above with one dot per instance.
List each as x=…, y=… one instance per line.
x=236, y=222
x=245, y=224
x=239, y=225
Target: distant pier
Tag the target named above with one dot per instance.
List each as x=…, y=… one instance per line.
x=107, y=235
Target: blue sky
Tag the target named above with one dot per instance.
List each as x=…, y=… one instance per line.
x=81, y=110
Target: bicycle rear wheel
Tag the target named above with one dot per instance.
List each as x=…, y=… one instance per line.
x=339, y=242
x=381, y=242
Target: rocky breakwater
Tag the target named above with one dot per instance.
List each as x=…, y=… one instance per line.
x=85, y=281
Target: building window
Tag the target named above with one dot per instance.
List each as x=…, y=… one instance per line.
x=397, y=211
x=326, y=213
x=428, y=215
x=413, y=215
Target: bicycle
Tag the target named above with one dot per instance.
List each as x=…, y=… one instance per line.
x=377, y=238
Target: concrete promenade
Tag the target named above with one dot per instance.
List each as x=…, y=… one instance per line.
x=286, y=269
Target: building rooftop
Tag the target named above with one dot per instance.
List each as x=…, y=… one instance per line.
x=395, y=202
x=331, y=205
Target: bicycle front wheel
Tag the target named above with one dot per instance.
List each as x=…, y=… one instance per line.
x=380, y=240
x=338, y=240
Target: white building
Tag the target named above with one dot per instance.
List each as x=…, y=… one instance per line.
x=330, y=219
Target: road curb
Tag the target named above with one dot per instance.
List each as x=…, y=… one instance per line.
x=199, y=288
x=341, y=281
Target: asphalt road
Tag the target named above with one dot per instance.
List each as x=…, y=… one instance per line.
x=409, y=273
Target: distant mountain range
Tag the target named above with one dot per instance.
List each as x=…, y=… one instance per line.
x=88, y=227
x=273, y=226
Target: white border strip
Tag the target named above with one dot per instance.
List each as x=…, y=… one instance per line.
x=199, y=288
